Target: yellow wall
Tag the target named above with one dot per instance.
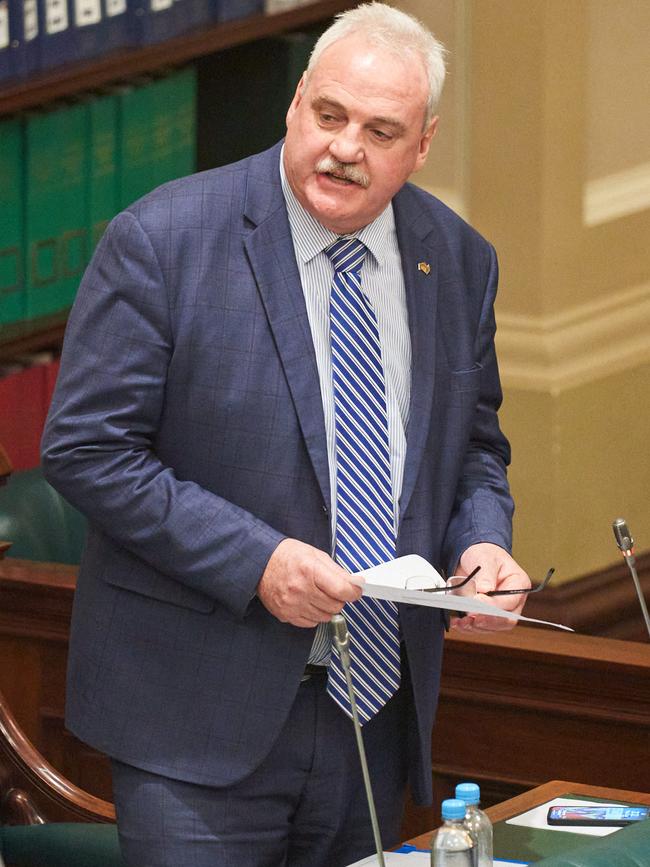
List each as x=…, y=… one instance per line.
x=549, y=157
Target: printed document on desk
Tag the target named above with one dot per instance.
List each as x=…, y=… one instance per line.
x=406, y=579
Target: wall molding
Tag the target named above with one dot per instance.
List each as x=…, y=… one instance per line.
x=616, y=195
x=565, y=350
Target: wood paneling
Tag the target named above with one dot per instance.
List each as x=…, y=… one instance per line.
x=520, y=708
x=516, y=709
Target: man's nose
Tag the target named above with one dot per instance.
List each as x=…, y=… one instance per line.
x=346, y=146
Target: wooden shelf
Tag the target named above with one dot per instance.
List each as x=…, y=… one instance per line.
x=32, y=335
x=73, y=79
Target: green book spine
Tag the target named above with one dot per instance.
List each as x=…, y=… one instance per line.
x=136, y=145
x=157, y=139
x=103, y=192
x=12, y=272
x=58, y=246
x=176, y=107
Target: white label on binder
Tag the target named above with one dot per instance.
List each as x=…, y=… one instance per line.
x=30, y=19
x=115, y=7
x=4, y=23
x=87, y=12
x=56, y=16
x=159, y=5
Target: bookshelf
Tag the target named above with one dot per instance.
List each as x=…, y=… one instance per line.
x=75, y=79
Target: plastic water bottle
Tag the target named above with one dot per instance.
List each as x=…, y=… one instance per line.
x=477, y=822
x=453, y=845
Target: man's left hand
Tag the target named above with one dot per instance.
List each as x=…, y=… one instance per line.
x=498, y=572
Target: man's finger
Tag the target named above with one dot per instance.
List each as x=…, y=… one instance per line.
x=336, y=584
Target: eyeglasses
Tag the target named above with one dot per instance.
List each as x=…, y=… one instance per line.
x=468, y=585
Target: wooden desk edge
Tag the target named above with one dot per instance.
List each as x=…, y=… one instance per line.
x=539, y=795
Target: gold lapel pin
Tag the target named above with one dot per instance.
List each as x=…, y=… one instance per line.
x=424, y=267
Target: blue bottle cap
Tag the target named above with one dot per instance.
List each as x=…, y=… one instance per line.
x=468, y=792
x=453, y=808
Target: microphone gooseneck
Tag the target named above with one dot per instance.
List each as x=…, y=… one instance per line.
x=625, y=543
x=341, y=638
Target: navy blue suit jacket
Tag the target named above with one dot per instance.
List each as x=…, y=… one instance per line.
x=187, y=425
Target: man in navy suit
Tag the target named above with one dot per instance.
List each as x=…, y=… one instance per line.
x=194, y=424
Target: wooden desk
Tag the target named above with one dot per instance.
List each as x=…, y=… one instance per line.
x=539, y=701
x=544, y=793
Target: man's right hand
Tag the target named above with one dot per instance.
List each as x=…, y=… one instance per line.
x=303, y=586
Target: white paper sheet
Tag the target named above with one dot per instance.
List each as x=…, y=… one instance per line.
x=405, y=579
x=536, y=818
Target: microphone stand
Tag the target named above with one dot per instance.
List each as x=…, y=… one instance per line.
x=339, y=630
x=625, y=543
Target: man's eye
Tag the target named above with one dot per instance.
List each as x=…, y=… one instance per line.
x=327, y=118
x=381, y=135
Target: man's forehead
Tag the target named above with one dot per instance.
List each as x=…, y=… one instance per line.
x=354, y=60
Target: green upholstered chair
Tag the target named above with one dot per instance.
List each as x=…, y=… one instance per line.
x=60, y=844
x=37, y=520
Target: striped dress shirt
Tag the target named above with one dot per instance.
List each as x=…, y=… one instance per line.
x=383, y=284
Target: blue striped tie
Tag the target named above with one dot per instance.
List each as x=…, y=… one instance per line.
x=365, y=524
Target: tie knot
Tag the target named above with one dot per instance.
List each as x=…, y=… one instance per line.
x=347, y=254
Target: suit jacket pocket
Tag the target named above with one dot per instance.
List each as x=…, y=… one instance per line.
x=162, y=589
x=124, y=570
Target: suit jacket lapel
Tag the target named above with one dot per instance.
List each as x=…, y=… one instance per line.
x=413, y=227
x=271, y=255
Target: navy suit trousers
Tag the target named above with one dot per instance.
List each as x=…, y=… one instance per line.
x=304, y=806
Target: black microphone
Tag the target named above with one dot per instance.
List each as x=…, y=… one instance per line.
x=623, y=537
x=625, y=543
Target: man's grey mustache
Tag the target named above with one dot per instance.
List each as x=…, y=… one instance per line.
x=347, y=171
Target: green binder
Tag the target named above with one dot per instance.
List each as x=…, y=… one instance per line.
x=56, y=215
x=175, y=109
x=103, y=193
x=12, y=274
x=157, y=130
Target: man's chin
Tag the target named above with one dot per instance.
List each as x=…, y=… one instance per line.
x=340, y=208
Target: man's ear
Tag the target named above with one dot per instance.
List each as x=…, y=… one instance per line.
x=425, y=142
x=297, y=97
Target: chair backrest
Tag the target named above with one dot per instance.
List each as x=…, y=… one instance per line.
x=32, y=791
x=38, y=522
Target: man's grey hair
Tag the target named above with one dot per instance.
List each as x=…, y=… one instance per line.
x=395, y=30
